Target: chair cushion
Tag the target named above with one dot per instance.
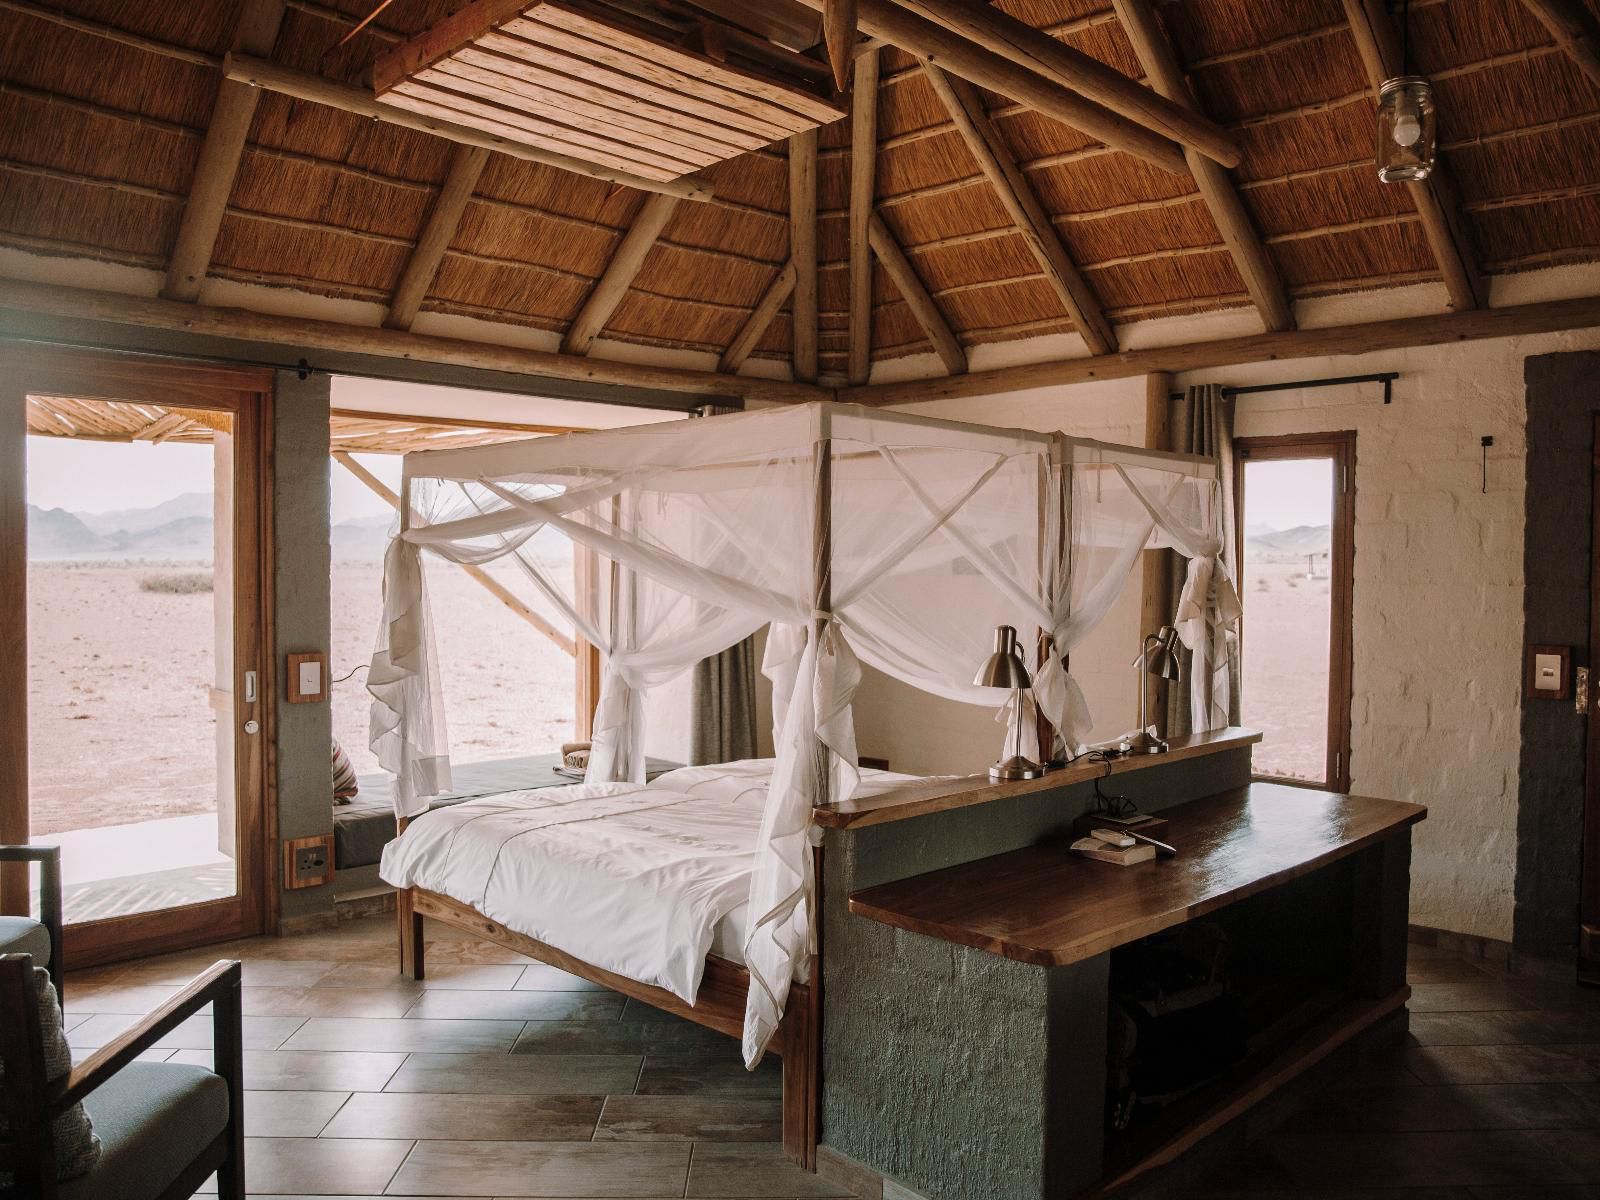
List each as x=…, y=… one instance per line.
x=154, y=1119
x=21, y=935
x=76, y=1147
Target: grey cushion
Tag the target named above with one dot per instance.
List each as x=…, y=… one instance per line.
x=20, y=935
x=76, y=1147
x=154, y=1119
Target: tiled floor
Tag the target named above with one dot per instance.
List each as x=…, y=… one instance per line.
x=497, y=1077
x=1495, y=1096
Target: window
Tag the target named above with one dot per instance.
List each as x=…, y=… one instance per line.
x=1296, y=550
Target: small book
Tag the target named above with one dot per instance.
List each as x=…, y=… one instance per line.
x=1124, y=856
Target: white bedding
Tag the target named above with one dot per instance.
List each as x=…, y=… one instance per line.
x=643, y=880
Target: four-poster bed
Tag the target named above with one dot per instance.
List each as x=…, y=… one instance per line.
x=846, y=532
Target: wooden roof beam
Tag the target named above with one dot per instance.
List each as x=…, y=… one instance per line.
x=915, y=293
x=863, y=191
x=1250, y=257
x=318, y=90
x=466, y=165
x=1378, y=42
x=1029, y=216
x=755, y=325
x=1038, y=52
x=839, y=35
x=620, y=273
x=960, y=56
x=1575, y=31
x=803, y=251
x=220, y=153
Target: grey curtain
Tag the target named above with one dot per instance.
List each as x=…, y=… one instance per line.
x=1202, y=423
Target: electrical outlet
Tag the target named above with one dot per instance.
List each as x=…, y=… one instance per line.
x=308, y=861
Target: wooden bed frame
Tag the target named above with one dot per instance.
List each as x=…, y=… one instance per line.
x=719, y=1005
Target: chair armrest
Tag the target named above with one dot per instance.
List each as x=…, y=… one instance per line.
x=217, y=983
x=49, y=860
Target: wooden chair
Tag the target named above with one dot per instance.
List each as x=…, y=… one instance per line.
x=164, y=1127
x=41, y=938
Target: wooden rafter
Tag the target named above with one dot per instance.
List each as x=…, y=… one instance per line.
x=839, y=35
x=994, y=159
x=466, y=165
x=162, y=428
x=960, y=56
x=863, y=187
x=619, y=275
x=1036, y=51
x=755, y=325
x=220, y=153
x=1378, y=42
x=915, y=293
x=803, y=251
x=1575, y=31
x=1160, y=61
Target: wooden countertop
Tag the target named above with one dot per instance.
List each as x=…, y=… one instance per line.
x=1047, y=906
x=939, y=795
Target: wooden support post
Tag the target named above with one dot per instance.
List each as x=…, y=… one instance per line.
x=1378, y=43
x=915, y=294
x=466, y=165
x=803, y=250
x=863, y=181
x=14, y=646
x=220, y=153
x=839, y=35
x=963, y=57
x=620, y=273
x=1155, y=581
x=1222, y=200
x=1032, y=221
x=750, y=333
x=1575, y=30
x=489, y=583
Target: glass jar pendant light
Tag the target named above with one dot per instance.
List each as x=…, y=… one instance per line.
x=1407, y=137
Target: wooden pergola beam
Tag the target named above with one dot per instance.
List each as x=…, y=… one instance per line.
x=161, y=428
x=220, y=153
x=466, y=165
x=756, y=323
x=963, y=57
x=1239, y=235
x=1036, y=51
x=1378, y=43
x=803, y=251
x=620, y=273
x=317, y=90
x=1575, y=31
x=487, y=581
x=1433, y=329
x=994, y=159
x=915, y=293
x=863, y=193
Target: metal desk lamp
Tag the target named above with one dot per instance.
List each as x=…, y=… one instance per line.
x=1158, y=656
x=1005, y=669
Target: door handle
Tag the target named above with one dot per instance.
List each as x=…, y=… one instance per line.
x=1580, y=691
x=249, y=687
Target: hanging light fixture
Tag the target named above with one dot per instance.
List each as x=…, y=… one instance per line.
x=1406, y=130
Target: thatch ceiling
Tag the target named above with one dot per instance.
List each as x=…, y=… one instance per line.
x=100, y=141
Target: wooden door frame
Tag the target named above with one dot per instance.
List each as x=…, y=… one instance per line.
x=1340, y=446
x=248, y=395
x=1589, y=879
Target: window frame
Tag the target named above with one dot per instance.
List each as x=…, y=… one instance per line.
x=1340, y=447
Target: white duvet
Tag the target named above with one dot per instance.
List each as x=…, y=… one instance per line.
x=633, y=878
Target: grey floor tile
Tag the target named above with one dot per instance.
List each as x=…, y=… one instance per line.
x=1443, y=1108
x=260, y=1033
x=1529, y=1028
x=466, y=1117
x=508, y=1169
x=1480, y=995
x=621, y=1037
x=751, y=1171
x=282, y=1070
x=1417, y=1160
x=403, y=1034
x=448, y=976
x=289, y=1114
x=707, y=1075
x=325, y=1002
x=1498, y=1064
x=313, y=1166
x=518, y=1006
x=691, y=1119
x=518, y=1074
x=541, y=977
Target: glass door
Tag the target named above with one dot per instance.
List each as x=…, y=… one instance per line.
x=144, y=675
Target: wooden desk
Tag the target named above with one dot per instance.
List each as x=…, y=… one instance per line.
x=1047, y=906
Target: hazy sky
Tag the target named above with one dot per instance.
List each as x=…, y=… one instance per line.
x=1282, y=495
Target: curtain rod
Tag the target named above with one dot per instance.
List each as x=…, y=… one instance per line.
x=1384, y=377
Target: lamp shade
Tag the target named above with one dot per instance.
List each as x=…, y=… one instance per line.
x=1161, y=656
x=1004, y=668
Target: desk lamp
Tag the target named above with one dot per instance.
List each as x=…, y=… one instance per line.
x=1005, y=669
x=1158, y=656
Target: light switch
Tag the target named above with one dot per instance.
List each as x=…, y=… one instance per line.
x=1547, y=672
x=310, y=679
x=306, y=679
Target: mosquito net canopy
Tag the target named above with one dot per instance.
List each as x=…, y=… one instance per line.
x=855, y=535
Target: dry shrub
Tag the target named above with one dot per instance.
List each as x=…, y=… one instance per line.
x=178, y=583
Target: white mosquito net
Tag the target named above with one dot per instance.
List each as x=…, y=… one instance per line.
x=849, y=532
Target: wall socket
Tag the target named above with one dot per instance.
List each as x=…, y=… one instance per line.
x=308, y=861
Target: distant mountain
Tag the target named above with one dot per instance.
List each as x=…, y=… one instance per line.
x=1287, y=545
x=56, y=533
x=361, y=539
x=138, y=520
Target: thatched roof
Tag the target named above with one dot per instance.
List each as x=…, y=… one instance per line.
x=101, y=136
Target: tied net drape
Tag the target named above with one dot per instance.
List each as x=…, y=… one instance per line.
x=849, y=532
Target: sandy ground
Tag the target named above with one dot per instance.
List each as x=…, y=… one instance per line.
x=121, y=728
x=1285, y=685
